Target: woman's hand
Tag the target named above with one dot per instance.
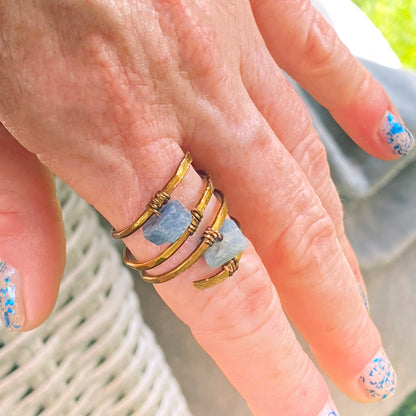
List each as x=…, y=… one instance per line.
x=109, y=94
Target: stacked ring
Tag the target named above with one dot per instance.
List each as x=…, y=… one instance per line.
x=197, y=214
x=161, y=197
x=221, y=244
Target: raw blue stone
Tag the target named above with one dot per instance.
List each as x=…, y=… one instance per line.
x=173, y=221
x=233, y=243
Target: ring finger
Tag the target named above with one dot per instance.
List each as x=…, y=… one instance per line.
x=240, y=321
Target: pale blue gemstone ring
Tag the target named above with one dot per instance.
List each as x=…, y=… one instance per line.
x=162, y=235
x=167, y=221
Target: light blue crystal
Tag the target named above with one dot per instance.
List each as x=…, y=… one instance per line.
x=233, y=243
x=173, y=221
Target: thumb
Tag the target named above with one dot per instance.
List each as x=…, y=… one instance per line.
x=32, y=243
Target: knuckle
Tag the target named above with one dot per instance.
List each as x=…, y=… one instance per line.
x=311, y=155
x=199, y=47
x=318, y=233
x=320, y=45
x=247, y=126
x=309, y=242
x=195, y=41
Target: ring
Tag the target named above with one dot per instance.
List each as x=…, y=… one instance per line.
x=168, y=221
x=160, y=198
x=197, y=214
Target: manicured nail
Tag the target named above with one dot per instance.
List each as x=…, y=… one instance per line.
x=11, y=305
x=329, y=410
x=395, y=133
x=378, y=377
x=363, y=296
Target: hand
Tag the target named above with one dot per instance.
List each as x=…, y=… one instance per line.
x=108, y=95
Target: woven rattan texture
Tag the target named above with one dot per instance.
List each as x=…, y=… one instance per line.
x=94, y=355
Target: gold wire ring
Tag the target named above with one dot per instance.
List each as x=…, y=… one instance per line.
x=197, y=214
x=158, y=200
x=197, y=253
x=228, y=269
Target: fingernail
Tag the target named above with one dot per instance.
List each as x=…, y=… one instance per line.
x=378, y=377
x=363, y=296
x=395, y=133
x=11, y=304
x=329, y=410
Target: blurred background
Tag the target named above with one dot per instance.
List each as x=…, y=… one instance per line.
x=396, y=19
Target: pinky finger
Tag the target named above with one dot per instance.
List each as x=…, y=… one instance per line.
x=32, y=244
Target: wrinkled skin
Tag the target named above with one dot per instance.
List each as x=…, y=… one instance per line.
x=108, y=94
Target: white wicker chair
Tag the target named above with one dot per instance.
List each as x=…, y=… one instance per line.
x=94, y=355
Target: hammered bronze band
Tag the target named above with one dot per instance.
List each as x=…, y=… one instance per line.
x=168, y=221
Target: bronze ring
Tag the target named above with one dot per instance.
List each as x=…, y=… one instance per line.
x=197, y=253
x=209, y=237
x=158, y=200
x=197, y=215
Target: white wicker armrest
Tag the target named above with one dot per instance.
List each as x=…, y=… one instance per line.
x=94, y=355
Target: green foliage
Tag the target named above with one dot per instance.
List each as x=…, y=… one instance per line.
x=397, y=22
x=408, y=408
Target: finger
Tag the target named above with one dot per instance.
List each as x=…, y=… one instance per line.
x=114, y=168
x=240, y=322
x=306, y=46
x=297, y=241
x=32, y=244
x=272, y=94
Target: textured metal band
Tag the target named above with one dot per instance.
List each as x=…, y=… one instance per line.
x=227, y=270
x=158, y=200
x=198, y=252
x=197, y=215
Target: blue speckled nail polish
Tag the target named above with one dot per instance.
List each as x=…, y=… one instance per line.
x=11, y=304
x=328, y=410
x=378, y=377
x=394, y=132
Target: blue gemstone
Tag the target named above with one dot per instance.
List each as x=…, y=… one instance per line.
x=233, y=243
x=173, y=221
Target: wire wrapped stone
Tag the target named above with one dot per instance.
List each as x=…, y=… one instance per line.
x=157, y=202
x=197, y=215
x=198, y=252
x=226, y=271
x=196, y=220
x=231, y=267
x=210, y=236
x=221, y=244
